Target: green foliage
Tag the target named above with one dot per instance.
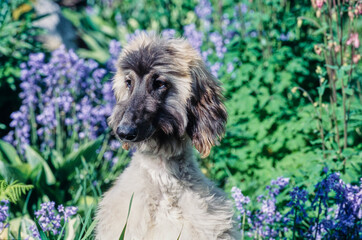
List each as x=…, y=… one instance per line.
x=98, y=24
x=13, y=191
x=271, y=130
x=18, y=39
x=75, y=177
x=125, y=226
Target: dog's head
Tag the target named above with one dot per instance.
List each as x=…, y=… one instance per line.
x=163, y=89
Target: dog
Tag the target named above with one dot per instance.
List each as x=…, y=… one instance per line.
x=167, y=102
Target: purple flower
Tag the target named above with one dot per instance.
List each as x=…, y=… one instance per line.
x=215, y=68
x=240, y=199
x=217, y=40
x=4, y=214
x=284, y=37
x=204, y=9
x=193, y=36
x=266, y=222
x=114, y=49
x=297, y=203
x=65, y=92
x=51, y=221
x=34, y=232
x=168, y=33
x=230, y=67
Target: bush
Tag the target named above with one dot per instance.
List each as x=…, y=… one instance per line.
x=18, y=40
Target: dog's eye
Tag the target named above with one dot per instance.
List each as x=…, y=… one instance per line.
x=159, y=84
x=128, y=83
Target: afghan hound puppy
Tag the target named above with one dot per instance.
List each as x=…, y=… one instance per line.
x=167, y=102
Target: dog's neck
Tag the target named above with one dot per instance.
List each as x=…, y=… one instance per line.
x=171, y=148
x=173, y=160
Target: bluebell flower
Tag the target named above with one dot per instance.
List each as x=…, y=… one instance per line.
x=204, y=9
x=4, y=214
x=218, y=42
x=230, y=68
x=168, y=33
x=193, y=36
x=240, y=199
x=284, y=37
x=297, y=203
x=51, y=221
x=114, y=49
x=215, y=68
x=34, y=232
x=66, y=90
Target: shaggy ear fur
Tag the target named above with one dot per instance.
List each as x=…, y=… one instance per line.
x=206, y=113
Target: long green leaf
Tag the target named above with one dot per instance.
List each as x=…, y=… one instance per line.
x=19, y=172
x=90, y=230
x=9, y=153
x=74, y=159
x=34, y=159
x=125, y=226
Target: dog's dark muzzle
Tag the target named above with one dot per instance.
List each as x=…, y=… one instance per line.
x=127, y=132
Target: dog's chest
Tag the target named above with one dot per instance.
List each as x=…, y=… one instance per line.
x=164, y=192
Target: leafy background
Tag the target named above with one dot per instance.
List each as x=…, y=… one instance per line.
x=264, y=52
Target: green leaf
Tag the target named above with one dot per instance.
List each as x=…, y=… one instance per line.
x=178, y=238
x=90, y=230
x=35, y=160
x=9, y=153
x=125, y=226
x=20, y=172
x=348, y=152
x=348, y=91
x=13, y=191
x=72, y=160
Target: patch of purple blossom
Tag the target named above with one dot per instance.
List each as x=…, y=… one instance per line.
x=34, y=232
x=339, y=215
x=347, y=220
x=4, y=214
x=168, y=33
x=193, y=36
x=284, y=37
x=114, y=50
x=65, y=97
x=204, y=9
x=267, y=222
x=218, y=41
x=50, y=220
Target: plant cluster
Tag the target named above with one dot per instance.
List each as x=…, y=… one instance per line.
x=333, y=212
x=49, y=221
x=18, y=39
x=57, y=143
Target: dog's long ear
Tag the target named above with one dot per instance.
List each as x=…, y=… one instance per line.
x=206, y=113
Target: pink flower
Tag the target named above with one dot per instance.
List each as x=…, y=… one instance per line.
x=353, y=39
x=337, y=48
x=356, y=58
x=317, y=49
x=319, y=3
x=358, y=9
x=350, y=14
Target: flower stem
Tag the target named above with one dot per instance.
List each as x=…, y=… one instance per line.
x=295, y=222
x=243, y=226
x=319, y=212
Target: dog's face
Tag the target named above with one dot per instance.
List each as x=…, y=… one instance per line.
x=164, y=90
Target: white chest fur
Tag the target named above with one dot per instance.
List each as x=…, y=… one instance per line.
x=171, y=198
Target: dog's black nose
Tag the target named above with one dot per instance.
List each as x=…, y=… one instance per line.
x=126, y=132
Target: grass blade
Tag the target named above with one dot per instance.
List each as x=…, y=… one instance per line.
x=125, y=226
